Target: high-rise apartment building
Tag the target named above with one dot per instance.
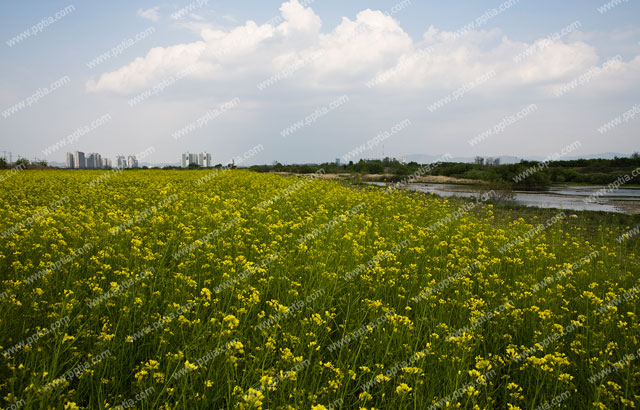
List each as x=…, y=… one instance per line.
x=132, y=162
x=202, y=159
x=70, y=162
x=90, y=161
x=79, y=161
x=206, y=160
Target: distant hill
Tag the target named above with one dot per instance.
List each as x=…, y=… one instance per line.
x=505, y=159
x=142, y=164
x=604, y=155
x=427, y=159
x=159, y=165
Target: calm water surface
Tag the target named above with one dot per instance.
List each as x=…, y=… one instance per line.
x=623, y=200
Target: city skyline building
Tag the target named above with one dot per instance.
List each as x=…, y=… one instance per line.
x=79, y=161
x=92, y=160
x=202, y=159
x=132, y=162
x=70, y=161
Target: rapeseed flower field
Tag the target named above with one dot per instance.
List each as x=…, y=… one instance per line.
x=230, y=290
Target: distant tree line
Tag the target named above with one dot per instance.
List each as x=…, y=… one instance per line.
x=22, y=163
x=523, y=175
x=533, y=174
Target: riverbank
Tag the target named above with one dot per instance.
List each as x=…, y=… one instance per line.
x=570, y=198
x=594, y=224
x=363, y=178
x=429, y=179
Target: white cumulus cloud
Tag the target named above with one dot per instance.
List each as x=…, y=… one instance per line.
x=370, y=50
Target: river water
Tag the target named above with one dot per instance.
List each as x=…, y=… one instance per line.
x=570, y=197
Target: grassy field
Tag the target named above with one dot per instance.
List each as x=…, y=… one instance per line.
x=238, y=290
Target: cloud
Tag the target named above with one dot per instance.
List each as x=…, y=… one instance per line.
x=149, y=14
x=146, y=71
x=371, y=51
x=298, y=20
x=365, y=45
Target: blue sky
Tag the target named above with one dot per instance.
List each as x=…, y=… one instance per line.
x=319, y=51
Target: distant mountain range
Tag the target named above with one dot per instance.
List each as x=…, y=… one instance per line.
x=142, y=164
x=427, y=159
x=506, y=159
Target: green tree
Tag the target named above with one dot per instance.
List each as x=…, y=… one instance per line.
x=538, y=179
x=375, y=167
